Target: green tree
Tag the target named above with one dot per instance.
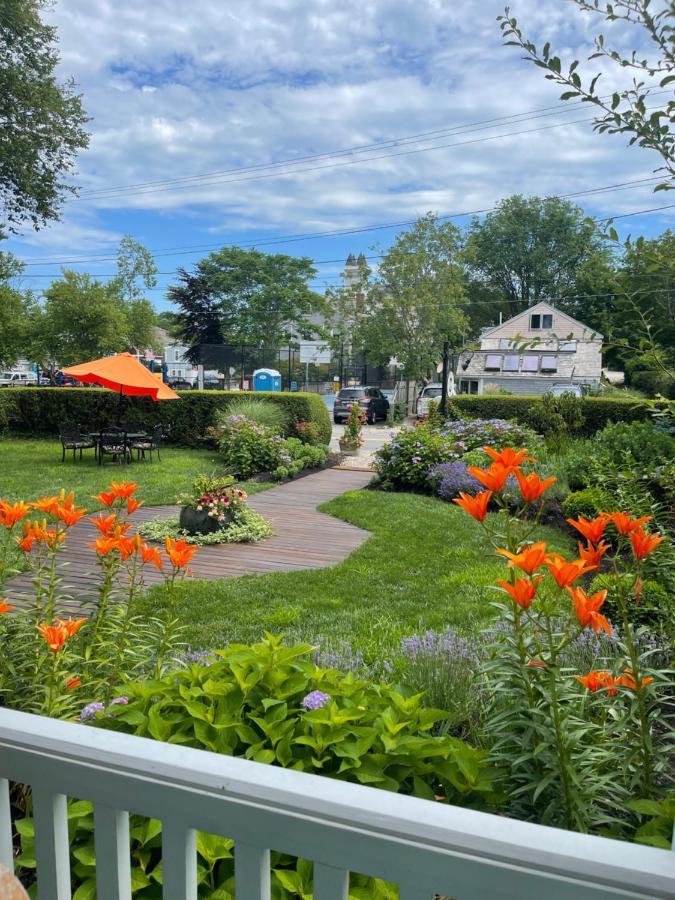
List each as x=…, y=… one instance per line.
x=136, y=273
x=624, y=111
x=247, y=297
x=15, y=312
x=531, y=249
x=41, y=121
x=417, y=299
x=80, y=319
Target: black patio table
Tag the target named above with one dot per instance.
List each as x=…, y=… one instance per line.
x=131, y=436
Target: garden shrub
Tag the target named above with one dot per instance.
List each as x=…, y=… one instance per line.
x=558, y=417
x=449, y=479
x=270, y=703
x=246, y=448
x=587, y=502
x=262, y=412
x=295, y=455
x=42, y=410
x=598, y=411
x=653, y=608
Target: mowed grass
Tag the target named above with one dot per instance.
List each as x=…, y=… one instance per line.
x=32, y=468
x=427, y=565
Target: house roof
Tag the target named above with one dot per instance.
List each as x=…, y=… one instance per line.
x=542, y=305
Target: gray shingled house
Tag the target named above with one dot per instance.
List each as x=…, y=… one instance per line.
x=535, y=351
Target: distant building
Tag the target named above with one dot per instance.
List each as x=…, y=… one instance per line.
x=535, y=351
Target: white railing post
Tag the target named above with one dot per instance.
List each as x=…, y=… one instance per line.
x=52, y=851
x=330, y=883
x=113, y=853
x=251, y=872
x=6, y=848
x=179, y=860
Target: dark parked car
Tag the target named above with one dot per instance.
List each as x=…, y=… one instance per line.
x=370, y=399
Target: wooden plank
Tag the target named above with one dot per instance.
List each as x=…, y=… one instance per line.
x=179, y=860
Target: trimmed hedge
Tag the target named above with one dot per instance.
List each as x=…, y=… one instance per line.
x=598, y=411
x=42, y=410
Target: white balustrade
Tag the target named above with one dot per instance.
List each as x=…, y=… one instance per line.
x=426, y=848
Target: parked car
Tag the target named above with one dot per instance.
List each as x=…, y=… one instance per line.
x=429, y=392
x=557, y=390
x=181, y=384
x=370, y=399
x=18, y=379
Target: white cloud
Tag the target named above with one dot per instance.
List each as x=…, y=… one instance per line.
x=178, y=89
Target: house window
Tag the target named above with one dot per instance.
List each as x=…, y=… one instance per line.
x=569, y=346
x=541, y=320
x=493, y=361
x=467, y=386
x=530, y=362
x=549, y=364
x=511, y=361
x=505, y=343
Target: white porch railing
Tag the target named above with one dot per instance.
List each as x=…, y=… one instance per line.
x=426, y=848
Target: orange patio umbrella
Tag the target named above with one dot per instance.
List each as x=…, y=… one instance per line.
x=123, y=373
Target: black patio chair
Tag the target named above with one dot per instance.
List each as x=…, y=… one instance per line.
x=113, y=443
x=147, y=445
x=73, y=439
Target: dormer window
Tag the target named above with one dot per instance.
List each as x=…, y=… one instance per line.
x=493, y=362
x=540, y=321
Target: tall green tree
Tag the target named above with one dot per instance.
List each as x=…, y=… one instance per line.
x=136, y=274
x=627, y=111
x=41, y=120
x=247, y=297
x=16, y=310
x=531, y=249
x=417, y=300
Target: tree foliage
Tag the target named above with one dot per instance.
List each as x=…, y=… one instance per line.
x=417, y=300
x=531, y=249
x=15, y=312
x=41, y=121
x=624, y=111
x=246, y=297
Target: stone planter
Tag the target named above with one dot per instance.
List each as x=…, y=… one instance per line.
x=349, y=448
x=196, y=521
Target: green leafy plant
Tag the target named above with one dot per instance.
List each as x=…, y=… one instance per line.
x=247, y=448
x=657, y=831
x=262, y=412
x=245, y=527
x=295, y=455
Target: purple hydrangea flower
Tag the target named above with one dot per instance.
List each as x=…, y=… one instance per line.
x=119, y=701
x=315, y=700
x=90, y=710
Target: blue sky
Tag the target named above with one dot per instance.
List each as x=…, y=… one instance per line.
x=176, y=91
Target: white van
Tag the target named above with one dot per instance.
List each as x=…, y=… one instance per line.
x=18, y=379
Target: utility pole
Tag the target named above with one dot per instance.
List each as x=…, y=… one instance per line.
x=290, y=367
x=444, y=384
x=342, y=354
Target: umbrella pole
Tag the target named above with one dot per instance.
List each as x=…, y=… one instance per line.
x=119, y=406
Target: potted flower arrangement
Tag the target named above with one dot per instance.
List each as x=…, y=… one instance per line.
x=352, y=439
x=211, y=504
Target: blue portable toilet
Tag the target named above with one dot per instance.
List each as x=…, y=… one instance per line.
x=266, y=380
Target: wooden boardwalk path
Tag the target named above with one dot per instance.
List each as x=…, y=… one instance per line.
x=302, y=538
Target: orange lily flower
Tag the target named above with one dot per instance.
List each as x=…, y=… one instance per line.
x=587, y=608
x=105, y=498
x=591, y=529
x=475, y=506
x=105, y=524
x=624, y=524
x=628, y=680
x=599, y=680
x=133, y=505
x=566, y=572
x=532, y=486
x=105, y=545
x=151, y=555
x=11, y=513
x=126, y=547
x=592, y=555
x=54, y=635
x=69, y=515
x=509, y=457
x=643, y=543
x=4, y=607
x=46, y=504
x=123, y=489
x=523, y=591
x=529, y=559
x=494, y=478
x=73, y=683
x=71, y=626
x=179, y=552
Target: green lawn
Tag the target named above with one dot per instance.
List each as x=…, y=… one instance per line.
x=33, y=468
x=426, y=566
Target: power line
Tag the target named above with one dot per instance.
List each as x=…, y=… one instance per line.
x=349, y=162
x=206, y=177
x=283, y=239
